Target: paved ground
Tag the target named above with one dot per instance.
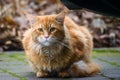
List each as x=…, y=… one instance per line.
x=13, y=66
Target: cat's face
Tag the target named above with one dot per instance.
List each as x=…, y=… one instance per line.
x=48, y=30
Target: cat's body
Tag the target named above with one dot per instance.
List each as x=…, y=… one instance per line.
x=55, y=44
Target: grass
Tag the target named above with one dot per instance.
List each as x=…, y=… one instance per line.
x=9, y=57
x=12, y=56
x=109, y=54
x=103, y=53
x=106, y=51
x=13, y=74
x=112, y=63
x=19, y=57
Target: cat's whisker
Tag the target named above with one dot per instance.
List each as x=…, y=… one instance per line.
x=63, y=44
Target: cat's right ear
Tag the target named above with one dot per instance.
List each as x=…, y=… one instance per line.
x=60, y=17
x=29, y=18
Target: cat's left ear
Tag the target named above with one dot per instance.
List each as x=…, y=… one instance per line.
x=60, y=17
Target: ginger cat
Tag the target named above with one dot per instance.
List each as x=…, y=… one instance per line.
x=55, y=45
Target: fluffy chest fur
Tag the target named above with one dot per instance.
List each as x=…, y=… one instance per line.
x=52, y=58
x=50, y=50
x=54, y=63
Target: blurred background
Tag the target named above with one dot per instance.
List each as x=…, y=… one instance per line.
x=105, y=29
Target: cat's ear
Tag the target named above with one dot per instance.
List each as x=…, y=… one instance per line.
x=31, y=19
x=60, y=17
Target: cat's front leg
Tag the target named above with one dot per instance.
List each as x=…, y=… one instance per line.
x=63, y=74
x=41, y=74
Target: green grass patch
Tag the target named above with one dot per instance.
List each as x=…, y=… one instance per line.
x=110, y=54
x=106, y=51
x=18, y=56
x=103, y=53
x=13, y=56
x=13, y=74
x=112, y=63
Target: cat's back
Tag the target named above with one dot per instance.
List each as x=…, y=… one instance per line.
x=74, y=28
x=79, y=37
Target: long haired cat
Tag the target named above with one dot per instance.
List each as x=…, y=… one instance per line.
x=56, y=45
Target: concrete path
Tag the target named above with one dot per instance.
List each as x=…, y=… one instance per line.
x=14, y=66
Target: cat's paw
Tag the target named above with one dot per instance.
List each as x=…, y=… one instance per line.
x=42, y=74
x=63, y=74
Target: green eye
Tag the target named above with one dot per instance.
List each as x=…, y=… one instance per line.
x=52, y=29
x=40, y=29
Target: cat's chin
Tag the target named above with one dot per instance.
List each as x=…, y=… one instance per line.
x=47, y=44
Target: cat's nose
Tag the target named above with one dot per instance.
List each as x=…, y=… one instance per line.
x=46, y=36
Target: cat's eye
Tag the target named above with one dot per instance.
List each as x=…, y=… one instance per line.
x=40, y=29
x=52, y=29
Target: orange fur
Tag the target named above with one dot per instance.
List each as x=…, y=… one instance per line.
x=68, y=44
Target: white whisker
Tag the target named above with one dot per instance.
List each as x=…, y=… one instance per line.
x=61, y=43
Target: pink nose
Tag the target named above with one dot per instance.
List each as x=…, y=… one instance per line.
x=46, y=36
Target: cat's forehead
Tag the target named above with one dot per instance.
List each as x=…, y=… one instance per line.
x=45, y=21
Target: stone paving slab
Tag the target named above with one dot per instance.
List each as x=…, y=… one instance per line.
x=104, y=65
x=114, y=60
x=112, y=73
x=108, y=70
x=14, y=66
x=91, y=78
x=6, y=76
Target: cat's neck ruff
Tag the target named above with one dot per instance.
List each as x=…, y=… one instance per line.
x=46, y=50
x=52, y=50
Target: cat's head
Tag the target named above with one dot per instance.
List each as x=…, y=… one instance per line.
x=47, y=30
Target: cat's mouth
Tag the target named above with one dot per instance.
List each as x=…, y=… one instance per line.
x=46, y=43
